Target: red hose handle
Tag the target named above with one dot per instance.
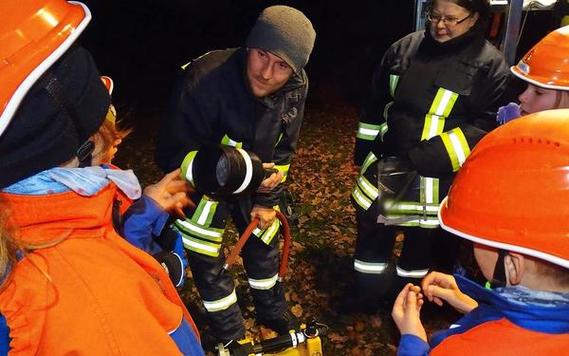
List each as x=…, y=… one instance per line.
x=247, y=233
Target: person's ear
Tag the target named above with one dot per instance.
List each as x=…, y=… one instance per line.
x=515, y=267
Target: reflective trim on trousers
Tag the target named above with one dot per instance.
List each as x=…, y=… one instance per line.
x=220, y=304
x=263, y=284
x=369, y=267
x=413, y=274
x=457, y=147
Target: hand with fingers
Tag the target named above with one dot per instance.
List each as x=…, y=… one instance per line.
x=406, y=311
x=439, y=287
x=171, y=193
x=265, y=215
x=271, y=181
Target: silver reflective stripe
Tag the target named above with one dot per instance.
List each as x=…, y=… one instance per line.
x=248, y=171
x=440, y=109
x=415, y=208
x=187, y=165
x=263, y=284
x=220, y=304
x=369, y=267
x=413, y=274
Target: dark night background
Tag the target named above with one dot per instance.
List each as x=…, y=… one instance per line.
x=141, y=44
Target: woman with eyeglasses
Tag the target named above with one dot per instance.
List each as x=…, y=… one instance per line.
x=433, y=96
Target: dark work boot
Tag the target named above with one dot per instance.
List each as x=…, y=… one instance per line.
x=287, y=321
x=368, y=294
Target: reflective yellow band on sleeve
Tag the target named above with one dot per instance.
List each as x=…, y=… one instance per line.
x=213, y=306
x=440, y=109
x=204, y=213
x=393, y=80
x=284, y=168
x=369, y=189
x=457, y=147
x=367, y=132
x=226, y=140
x=361, y=199
x=186, y=168
x=370, y=158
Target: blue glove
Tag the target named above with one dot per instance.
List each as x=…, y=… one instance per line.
x=508, y=112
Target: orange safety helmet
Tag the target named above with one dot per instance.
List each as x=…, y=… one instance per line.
x=512, y=192
x=34, y=34
x=546, y=65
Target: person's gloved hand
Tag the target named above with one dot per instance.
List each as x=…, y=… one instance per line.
x=508, y=112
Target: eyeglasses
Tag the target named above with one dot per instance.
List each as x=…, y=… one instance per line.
x=447, y=21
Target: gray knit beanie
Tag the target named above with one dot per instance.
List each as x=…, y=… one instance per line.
x=286, y=33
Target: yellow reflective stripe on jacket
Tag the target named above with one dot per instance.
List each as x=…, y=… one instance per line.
x=186, y=168
x=263, y=284
x=284, y=168
x=393, y=80
x=367, y=132
x=226, y=140
x=361, y=199
x=370, y=158
x=188, y=227
x=439, y=111
x=205, y=211
x=456, y=146
x=213, y=306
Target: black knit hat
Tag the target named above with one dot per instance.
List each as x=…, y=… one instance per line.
x=286, y=33
x=60, y=112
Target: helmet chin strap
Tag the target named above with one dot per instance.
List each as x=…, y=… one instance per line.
x=499, y=277
x=85, y=153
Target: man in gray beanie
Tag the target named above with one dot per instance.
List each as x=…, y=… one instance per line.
x=252, y=98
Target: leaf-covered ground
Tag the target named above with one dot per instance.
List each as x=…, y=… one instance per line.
x=322, y=175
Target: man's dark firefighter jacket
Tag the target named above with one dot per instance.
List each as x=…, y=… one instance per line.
x=430, y=102
x=214, y=105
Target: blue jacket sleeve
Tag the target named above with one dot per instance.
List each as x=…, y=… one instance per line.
x=142, y=220
x=411, y=345
x=4, y=337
